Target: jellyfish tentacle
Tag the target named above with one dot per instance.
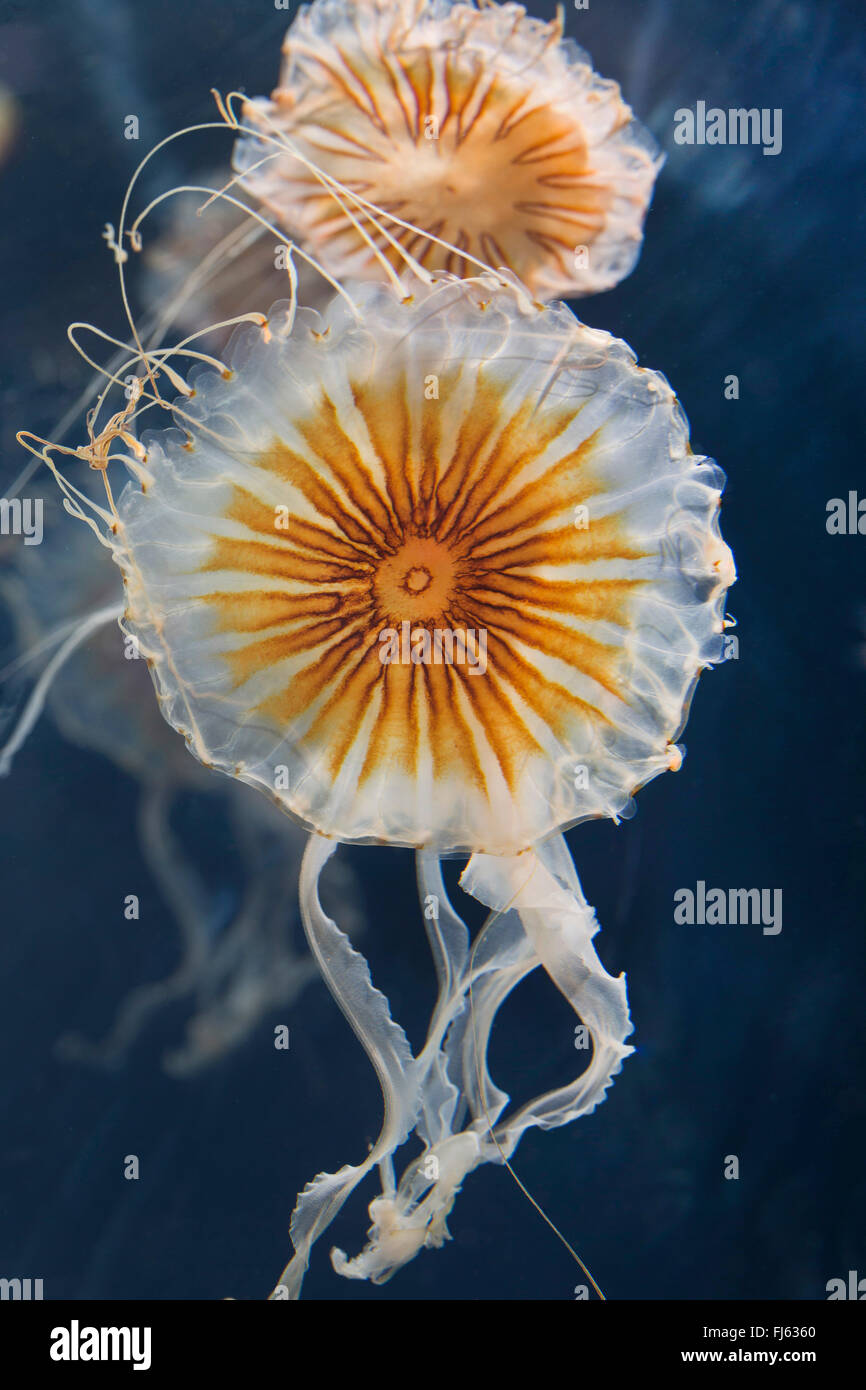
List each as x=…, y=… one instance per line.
x=452, y=1078
x=13, y=594
x=365, y=1008
x=539, y=917
x=36, y=701
x=442, y=1101
x=446, y=932
x=347, y=974
x=560, y=924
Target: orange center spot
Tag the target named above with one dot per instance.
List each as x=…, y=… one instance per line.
x=417, y=584
x=417, y=580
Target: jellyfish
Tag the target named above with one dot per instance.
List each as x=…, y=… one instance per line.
x=435, y=570
x=479, y=130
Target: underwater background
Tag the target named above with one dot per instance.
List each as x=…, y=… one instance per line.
x=747, y=1044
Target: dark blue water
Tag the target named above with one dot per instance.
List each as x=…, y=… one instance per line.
x=747, y=1044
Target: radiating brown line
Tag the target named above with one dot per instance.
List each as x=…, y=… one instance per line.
x=582, y=652
x=597, y=600
x=492, y=252
x=340, y=81
x=515, y=449
x=509, y=738
x=388, y=429
x=576, y=154
x=483, y=109
x=258, y=516
x=554, y=547
x=511, y=120
x=557, y=212
x=480, y=420
x=313, y=538
x=282, y=461
x=394, y=735
x=555, y=703
x=549, y=242
x=455, y=750
x=377, y=119
x=335, y=666
x=246, y=661
x=336, y=724
x=274, y=561
x=344, y=138
x=265, y=608
x=326, y=438
x=422, y=90
x=411, y=130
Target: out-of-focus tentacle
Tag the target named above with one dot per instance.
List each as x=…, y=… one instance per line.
x=185, y=893
x=39, y=694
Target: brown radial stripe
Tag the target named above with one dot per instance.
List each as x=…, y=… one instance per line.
x=505, y=730
x=245, y=612
x=275, y=562
x=455, y=751
x=601, y=541
x=502, y=443
x=537, y=501
x=326, y=437
x=602, y=600
x=395, y=736
x=387, y=422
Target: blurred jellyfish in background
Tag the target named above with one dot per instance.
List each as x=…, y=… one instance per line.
x=240, y=954
x=480, y=125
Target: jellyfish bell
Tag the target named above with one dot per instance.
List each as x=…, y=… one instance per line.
x=377, y=498
x=458, y=461
x=478, y=125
